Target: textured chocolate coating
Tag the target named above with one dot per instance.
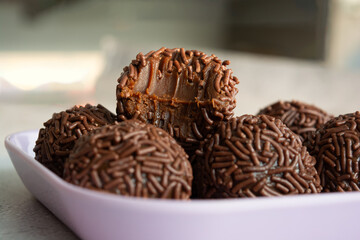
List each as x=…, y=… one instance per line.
x=337, y=151
x=131, y=158
x=301, y=118
x=58, y=138
x=186, y=93
x=252, y=156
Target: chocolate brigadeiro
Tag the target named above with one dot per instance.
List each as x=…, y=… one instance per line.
x=251, y=156
x=301, y=118
x=337, y=150
x=58, y=138
x=131, y=158
x=186, y=93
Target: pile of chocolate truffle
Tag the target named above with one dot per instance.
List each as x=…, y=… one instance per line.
x=175, y=136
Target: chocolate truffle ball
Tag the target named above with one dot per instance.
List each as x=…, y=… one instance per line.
x=58, y=138
x=337, y=151
x=301, y=118
x=251, y=156
x=131, y=158
x=186, y=93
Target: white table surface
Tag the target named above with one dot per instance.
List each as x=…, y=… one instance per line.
x=264, y=80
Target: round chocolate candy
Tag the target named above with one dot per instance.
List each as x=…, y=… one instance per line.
x=186, y=93
x=337, y=151
x=131, y=158
x=252, y=156
x=301, y=118
x=58, y=138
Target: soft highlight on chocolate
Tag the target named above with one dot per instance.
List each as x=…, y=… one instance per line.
x=185, y=92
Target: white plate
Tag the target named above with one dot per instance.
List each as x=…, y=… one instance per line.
x=94, y=215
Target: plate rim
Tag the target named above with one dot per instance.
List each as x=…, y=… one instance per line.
x=193, y=206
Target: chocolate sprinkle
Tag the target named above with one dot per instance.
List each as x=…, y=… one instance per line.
x=187, y=93
x=57, y=139
x=337, y=151
x=131, y=158
x=301, y=118
x=252, y=156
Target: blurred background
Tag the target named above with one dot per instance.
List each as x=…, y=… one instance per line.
x=58, y=53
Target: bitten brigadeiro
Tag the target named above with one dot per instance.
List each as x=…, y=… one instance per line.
x=252, y=156
x=57, y=139
x=186, y=93
x=131, y=158
x=301, y=118
x=337, y=150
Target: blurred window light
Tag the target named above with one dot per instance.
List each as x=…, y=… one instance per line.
x=50, y=71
